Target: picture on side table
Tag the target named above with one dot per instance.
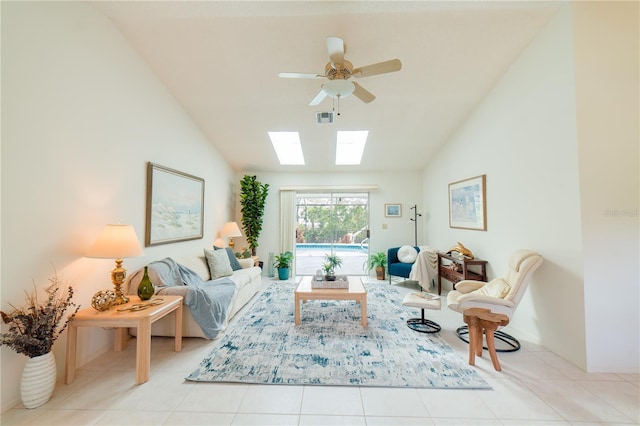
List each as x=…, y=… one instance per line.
x=467, y=206
x=175, y=206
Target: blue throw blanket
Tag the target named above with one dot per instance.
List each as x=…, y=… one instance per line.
x=209, y=302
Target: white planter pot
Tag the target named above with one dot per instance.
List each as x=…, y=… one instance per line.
x=38, y=380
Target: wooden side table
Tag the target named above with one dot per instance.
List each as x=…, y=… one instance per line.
x=483, y=321
x=121, y=320
x=464, y=273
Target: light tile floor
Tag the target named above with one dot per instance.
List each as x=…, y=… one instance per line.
x=535, y=387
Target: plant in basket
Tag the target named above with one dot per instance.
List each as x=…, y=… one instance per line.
x=377, y=261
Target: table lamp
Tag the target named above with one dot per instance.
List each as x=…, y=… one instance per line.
x=116, y=241
x=231, y=230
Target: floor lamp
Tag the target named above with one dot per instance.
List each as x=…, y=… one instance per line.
x=415, y=223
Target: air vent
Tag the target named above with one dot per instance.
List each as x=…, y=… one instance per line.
x=324, y=117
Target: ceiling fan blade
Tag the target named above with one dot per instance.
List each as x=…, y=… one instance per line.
x=379, y=68
x=319, y=97
x=335, y=46
x=299, y=75
x=363, y=94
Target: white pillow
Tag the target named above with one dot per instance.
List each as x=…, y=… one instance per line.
x=407, y=254
x=219, y=265
x=497, y=288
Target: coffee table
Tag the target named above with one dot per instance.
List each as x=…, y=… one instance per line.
x=355, y=292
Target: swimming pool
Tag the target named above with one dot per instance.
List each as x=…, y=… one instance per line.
x=336, y=247
x=309, y=257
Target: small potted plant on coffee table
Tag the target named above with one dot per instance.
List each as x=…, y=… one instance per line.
x=331, y=262
x=377, y=261
x=283, y=263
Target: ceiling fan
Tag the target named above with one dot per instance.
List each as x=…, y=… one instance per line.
x=338, y=71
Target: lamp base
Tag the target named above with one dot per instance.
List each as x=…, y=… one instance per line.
x=118, y=274
x=121, y=299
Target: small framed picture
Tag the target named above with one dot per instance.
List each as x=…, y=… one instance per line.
x=392, y=210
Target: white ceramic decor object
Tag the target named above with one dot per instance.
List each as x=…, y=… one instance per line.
x=38, y=380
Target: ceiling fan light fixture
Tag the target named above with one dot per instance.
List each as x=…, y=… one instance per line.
x=338, y=88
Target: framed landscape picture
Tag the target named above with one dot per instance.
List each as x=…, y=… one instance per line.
x=467, y=205
x=175, y=206
x=392, y=210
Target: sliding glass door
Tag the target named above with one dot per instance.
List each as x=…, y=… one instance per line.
x=332, y=222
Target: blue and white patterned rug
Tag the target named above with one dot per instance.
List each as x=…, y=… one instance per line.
x=331, y=347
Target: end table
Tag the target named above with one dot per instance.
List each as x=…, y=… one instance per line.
x=121, y=319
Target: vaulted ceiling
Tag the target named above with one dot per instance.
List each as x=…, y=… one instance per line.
x=221, y=60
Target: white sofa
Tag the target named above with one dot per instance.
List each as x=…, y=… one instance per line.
x=247, y=280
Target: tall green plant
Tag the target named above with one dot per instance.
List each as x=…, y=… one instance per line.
x=253, y=196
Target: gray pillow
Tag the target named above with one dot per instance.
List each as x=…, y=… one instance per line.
x=218, y=262
x=235, y=265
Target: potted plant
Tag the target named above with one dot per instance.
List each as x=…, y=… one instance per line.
x=379, y=262
x=331, y=262
x=32, y=331
x=283, y=263
x=253, y=195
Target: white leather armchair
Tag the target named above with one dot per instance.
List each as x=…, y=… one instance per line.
x=500, y=295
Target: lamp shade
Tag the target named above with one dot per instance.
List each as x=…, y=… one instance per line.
x=116, y=241
x=231, y=230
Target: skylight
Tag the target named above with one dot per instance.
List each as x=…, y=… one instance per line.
x=350, y=146
x=288, y=148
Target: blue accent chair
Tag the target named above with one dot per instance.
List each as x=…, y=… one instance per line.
x=395, y=267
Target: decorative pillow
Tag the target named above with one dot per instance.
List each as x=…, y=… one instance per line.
x=246, y=263
x=407, y=254
x=497, y=288
x=233, y=261
x=218, y=261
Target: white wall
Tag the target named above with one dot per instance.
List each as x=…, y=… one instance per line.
x=81, y=117
x=523, y=136
x=606, y=54
x=402, y=187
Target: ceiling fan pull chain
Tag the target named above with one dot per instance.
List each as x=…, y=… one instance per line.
x=338, y=104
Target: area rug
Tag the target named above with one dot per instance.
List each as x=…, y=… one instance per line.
x=331, y=347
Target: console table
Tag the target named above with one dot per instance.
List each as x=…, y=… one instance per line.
x=445, y=271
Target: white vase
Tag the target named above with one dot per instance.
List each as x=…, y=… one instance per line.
x=38, y=380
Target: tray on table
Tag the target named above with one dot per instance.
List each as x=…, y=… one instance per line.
x=341, y=281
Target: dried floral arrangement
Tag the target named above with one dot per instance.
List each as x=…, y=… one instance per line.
x=35, y=327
